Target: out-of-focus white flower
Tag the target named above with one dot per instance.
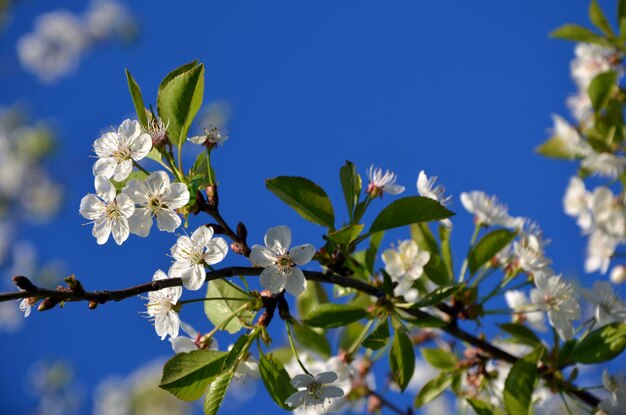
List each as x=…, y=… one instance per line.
x=156, y=197
x=105, y=19
x=382, y=183
x=529, y=253
x=212, y=137
x=108, y=212
x=405, y=265
x=573, y=144
x=576, y=203
x=116, y=151
x=314, y=391
x=590, y=61
x=608, y=212
x=426, y=187
x=600, y=249
x=517, y=301
x=193, y=253
x=609, y=307
x=161, y=307
x=53, y=49
x=618, y=274
x=580, y=106
x=558, y=299
x=604, y=164
x=615, y=403
x=488, y=210
x=280, y=262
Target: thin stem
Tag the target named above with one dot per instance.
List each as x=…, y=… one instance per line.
x=225, y=322
x=140, y=168
x=359, y=339
x=180, y=158
x=293, y=348
x=384, y=401
x=477, y=228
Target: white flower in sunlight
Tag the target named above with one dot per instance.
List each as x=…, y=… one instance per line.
x=518, y=302
x=488, y=210
x=161, y=307
x=405, y=265
x=604, y=164
x=600, y=249
x=26, y=306
x=529, y=250
x=156, y=197
x=280, y=262
x=615, y=403
x=618, y=274
x=577, y=202
x=315, y=391
x=382, y=183
x=158, y=131
x=53, y=49
x=105, y=19
x=608, y=212
x=590, y=61
x=212, y=136
x=580, y=106
x=192, y=254
x=573, y=144
x=609, y=307
x=195, y=341
x=116, y=151
x=426, y=187
x=108, y=212
x=558, y=299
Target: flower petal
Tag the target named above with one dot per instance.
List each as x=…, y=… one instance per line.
x=104, y=188
x=194, y=279
x=326, y=377
x=302, y=254
x=295, y=284
x=296, y=399
x=272, y=279
x=261, y=256
x=122, y=170
x=332, y=392
x=91, y=207
x=167, y=220
x=176, y=196
x=120, y=230
x=140, y=222
x=302, y=380
x=278, y=239
x=201, y=236
x=104, y=167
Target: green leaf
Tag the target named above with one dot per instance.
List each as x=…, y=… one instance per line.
x=179, y=99
x=577, y=34
x=402, y=359
x=135, y=94
x=437, y=296
x=433, y=389
x=334, y=315
x=219, y=310
x=554, y=147
x=378, y=338
x=372, y=251
x=187, y=375
x=439, y=359
x=488, y=246
x=599, y=19
x=480, y=407
x=601, y=88
x=408, y=210
x=305, y=197
x=216, y=392
x=351, y=185
x=521, y=334
x=313, y=295
x=346, y=235
x=428, y=322
x=520, y=383
x=350, y=334
x=446, y=250
x=276, y=380
x=435, y=269
x=137, y=174
x=621, y=14
x=601, y=345
x=312, y=340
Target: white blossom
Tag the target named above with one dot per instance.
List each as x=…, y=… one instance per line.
x=405, y=265
x=590, y=61
x=25, y=306
x=609, y=307
x=195, y=341
x=212, y=136
x=105, y=19
x=161, y=307
x=577, y=202
x=580, y=106
x=156, y=197
x=382, y=183
x=618, y=274
x=53, y=49
x=558, y=299
x=615, y=403
x=426, y=187
x=606, y=165
x=488, y=210
x=517, y=301
x=608, y=212
x=280, y=262
x=600, y=249
x=314, y=391
x=573, y=144
x=192, y=254
x=108, y=212
x=529, y=251
x=116, y=151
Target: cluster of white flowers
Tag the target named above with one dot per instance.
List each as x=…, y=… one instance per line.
x=405, y=265
x=615, y=403
x=601, y=215
x=559, y=300
x=60, y=37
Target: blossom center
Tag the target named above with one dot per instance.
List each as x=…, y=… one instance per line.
x=113, y=211
x=284, y=262
x=315, y=390
x=121, y=154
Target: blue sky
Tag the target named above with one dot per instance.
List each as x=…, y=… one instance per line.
x=463, y=90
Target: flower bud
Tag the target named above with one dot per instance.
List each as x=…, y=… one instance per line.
x=24, y=283
x=211, y=196
x=618, y=274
